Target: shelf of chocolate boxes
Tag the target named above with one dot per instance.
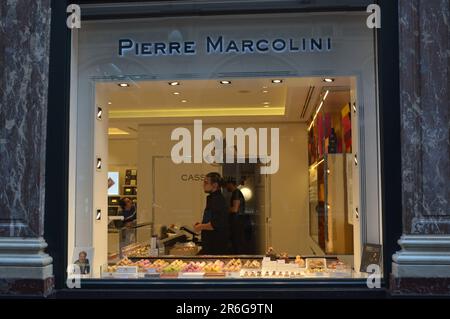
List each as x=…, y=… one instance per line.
x=271, y=266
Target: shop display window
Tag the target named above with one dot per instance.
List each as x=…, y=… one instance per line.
x=251, y=156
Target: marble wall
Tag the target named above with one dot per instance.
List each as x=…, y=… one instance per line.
x=422, y=266
x=24, y=50
x=425, y=115
x=24, y=65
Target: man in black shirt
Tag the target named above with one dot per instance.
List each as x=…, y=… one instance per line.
x=236, y=216
x=214, y=226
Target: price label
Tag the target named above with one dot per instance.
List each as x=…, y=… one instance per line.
x=127, y=269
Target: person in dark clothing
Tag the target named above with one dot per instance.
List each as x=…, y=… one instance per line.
x=236, y=216
x=128, y=210
x=129, y=221
x=214, y=227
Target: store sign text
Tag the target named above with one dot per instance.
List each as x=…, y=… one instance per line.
x=220, y=45
x=192, y=177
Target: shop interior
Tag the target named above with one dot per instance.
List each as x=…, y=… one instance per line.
x=301, y=214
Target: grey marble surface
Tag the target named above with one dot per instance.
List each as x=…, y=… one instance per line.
x=24, y=62
x=425, y=115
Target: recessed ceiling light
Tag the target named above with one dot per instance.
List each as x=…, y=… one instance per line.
x=116, y=131
x=264, y=87
x=123, y=85
x=266, y=103
x=183, y=101
x=265, y=91
x=109, y=103
x=277, y=81
x=174, y=83
x=176, y=93
x=225, y=82
x=328, y=80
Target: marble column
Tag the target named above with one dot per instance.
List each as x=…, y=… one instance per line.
x=423, y=264
x=24, y=62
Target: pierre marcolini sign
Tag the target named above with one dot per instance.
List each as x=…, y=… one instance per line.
x=222, y=45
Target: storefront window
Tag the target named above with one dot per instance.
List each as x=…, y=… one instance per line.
x=217, y=147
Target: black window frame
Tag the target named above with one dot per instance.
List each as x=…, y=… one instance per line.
x=57, y=150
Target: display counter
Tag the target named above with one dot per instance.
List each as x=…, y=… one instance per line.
x=248, y=267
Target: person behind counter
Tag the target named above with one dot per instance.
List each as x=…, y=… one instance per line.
x=236, y=215
x=129, y=221
x=214, y=227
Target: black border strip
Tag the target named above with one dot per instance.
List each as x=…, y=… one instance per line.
x=390, y=142
x=57, y=154
x=97, y=9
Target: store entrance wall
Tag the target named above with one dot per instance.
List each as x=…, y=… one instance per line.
x=178, y=195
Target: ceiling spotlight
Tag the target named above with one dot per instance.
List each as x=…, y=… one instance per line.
x=109, y=103
x=123, y=85
x=265, y=91
x=183, y=101
x=174, y=83
x=277, y=81
x=266, y=103
x=328, y=80
x=176, y=93
x=225, y=82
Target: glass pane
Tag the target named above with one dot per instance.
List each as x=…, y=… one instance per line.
x=229, y=149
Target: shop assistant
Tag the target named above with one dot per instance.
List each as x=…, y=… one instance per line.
x=214, y=227
x=236, y=216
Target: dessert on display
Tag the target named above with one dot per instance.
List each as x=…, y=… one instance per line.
x=202, y=267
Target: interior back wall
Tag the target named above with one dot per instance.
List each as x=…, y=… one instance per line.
x=287, y=204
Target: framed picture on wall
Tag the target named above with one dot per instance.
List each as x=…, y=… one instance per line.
x=82, y=257
x=371, y=256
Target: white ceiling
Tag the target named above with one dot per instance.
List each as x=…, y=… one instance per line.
x=245, y=99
